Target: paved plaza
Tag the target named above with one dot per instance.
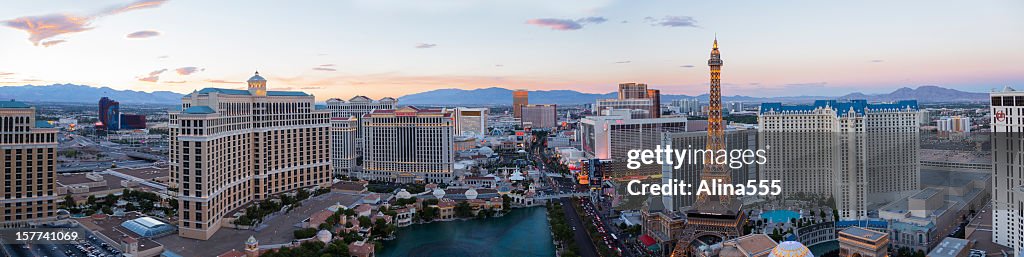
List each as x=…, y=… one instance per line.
x=278, y=230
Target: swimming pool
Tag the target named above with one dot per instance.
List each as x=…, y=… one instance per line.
x=775, y=216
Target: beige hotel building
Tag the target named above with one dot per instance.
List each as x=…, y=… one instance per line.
x=409, y=145
x=27, y=166
x=231, y=147
x=856, y=152
x=343, y=144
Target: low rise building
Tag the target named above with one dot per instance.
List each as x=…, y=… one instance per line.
x=952, y=247
x=857, y=241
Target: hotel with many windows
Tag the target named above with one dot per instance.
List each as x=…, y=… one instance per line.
x=343, y=144
x=1007, y=166
x=858, y=149
x=409, y=145
x=231, y=147
x=27, y=166
x=358, y=106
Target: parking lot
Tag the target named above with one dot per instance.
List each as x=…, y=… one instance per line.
x=87, y=246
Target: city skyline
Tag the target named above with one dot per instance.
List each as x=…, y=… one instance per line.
x=379, y=49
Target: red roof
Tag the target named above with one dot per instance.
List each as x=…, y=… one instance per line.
x=320, y=217
x=647, y=240
x=232, y=253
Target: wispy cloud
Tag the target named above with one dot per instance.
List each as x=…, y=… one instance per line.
x=566, y=24
x=623, y=62
x=4, y=74
x=876, y=60
x=163, y=57
x=672, y=21
x=153, y=76
x=426, y=45
x=686, y=66
x=175, y=82
x=139, y=4
x=143, y=34
x=47, y=26
x=53, y=42
x=499, y=65
x=327, y=65
x=220, y=81
x=185, y=71
x=43, y=27
x=324, y=69
x=309, y=88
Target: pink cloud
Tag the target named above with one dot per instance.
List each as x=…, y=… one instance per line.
x=566, y=24
x=220, y=81
x=141, y=4
x=185, y=71
x=47, y=26
x=152, y=76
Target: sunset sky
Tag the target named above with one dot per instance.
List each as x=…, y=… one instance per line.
x=392, y=48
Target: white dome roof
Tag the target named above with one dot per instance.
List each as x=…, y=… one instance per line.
x=403, y=194
x=438, y=193
x=471, y=193
x=323, y=236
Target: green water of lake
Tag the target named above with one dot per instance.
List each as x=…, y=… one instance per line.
x=522, y=232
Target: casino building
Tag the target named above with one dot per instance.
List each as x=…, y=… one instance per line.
x=231, y=147
x=857, y=149
x=27, y=165
x=409, y=145
x=1007, y=180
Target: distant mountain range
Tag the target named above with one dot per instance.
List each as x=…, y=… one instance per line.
x=70, y=93
x=495, y=95
x=484, y=96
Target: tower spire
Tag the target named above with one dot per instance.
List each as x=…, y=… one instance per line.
x=716, y=135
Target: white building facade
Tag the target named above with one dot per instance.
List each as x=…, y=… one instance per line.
x=1007, y=121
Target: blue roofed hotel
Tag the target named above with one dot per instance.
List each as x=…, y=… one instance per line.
x=230, y=147
x=865, y=153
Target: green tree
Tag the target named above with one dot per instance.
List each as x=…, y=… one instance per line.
x=463, y=210
x=337, y=248
x=69, y=202
x=506, y=202
x=304, y=233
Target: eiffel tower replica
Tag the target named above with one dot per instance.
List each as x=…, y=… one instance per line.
x=713, y=218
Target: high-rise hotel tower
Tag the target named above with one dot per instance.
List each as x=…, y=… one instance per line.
x=409, y=145
x=856, y=152
x=27, y=166
x=520, y=98
x=1008, y=168
x=231, y=147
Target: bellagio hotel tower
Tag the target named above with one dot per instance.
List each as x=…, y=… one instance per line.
x=230, y=147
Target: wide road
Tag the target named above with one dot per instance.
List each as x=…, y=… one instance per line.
x=586, y=247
